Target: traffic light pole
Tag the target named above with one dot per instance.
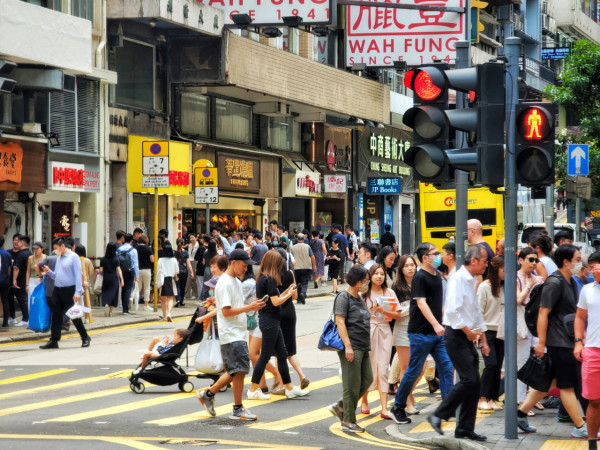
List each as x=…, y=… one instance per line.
x=463, y=60
x=512, y=47
x=550, y=210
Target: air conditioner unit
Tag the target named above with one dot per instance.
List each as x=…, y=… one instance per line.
x=546, y=21
x=272, y=109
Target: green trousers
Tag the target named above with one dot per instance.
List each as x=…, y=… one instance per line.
x=356, y=379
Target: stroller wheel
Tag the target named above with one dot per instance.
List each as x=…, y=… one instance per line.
x=138, y=388
x=224, y=388
x=186, y=386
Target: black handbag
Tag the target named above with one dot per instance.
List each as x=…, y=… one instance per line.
x=536, y=372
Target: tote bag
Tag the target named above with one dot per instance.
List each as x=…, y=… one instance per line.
x=330, y=338
x=39, y=312
x=209, y=359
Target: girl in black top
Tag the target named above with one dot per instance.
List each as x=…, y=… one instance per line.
x=268, y=278
x=209, y=254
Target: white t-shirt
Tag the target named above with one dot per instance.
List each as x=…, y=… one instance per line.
x=228, y=292
x=589, y=299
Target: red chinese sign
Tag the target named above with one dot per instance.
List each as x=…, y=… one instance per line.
x=380, y=36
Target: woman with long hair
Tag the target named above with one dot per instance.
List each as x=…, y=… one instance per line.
x=33, y=279
x=208, y=255
x=407, y=267
x=185, y=269
x=381, y=335
x=268, y=280
x=386, y=258
x=112, y=278
x=491, y=300
x=167, y=274
x=543, y=245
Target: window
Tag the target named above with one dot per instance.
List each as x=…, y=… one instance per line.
x=194, y=114
x=135, y=69
x=281, y=132
x=233, y=121
x=83, y=9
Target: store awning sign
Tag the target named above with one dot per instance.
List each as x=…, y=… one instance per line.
x=11, y=162
x=384, y=186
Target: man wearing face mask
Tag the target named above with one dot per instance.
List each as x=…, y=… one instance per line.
x=425, y=330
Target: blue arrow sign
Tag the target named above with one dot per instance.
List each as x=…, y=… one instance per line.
x=579, y=160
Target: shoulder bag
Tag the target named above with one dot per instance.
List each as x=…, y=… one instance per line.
x=330, y=338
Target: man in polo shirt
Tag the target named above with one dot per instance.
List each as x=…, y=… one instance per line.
x=305, y=266
x=68, y=288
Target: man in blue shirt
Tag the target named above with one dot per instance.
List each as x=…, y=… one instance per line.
x=343, y=245
x=216, y=233
x=68, y=287
x=131, y=271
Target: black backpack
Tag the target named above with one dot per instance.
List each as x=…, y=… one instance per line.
x=125, y=261
x=532, y=308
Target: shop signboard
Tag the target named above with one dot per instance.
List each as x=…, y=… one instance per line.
x=238, y=173
x=374, y=228
x=384, y=186
x=312, y=12
x=308, y=184
x=67, y=176
x=62, y=219
x=380, y=36
x=335, y=184
x=11, y=162
x=361, y=226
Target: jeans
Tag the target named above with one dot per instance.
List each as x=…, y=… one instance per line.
x=128, y=282
x=303, y=276
x=422, y=345
x=465, y=393
x=356, y=379
x=490, y=378
x=272, y=344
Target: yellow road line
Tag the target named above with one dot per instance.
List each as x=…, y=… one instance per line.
x=424, y=427
x=122, y=408
x=60, y=401
x=570, y=444
x=226, y=409
x=130, y=441
x=95, y=332
x=34, y=376
x=66, y=384
x=335, y=429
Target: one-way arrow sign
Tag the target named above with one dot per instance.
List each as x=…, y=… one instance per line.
x=579, y=161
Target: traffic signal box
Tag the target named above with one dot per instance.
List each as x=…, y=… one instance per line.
x=433, y=155
x=535, y=151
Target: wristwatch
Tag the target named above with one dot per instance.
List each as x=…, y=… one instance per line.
x=578, y=340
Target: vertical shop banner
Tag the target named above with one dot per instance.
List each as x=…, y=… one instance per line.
x=62, y=219
x=388, y=215
x=380, y=36
x=11, y=162
x=374, y=229
x=361, y=223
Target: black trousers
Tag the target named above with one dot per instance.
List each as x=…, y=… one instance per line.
x=181, y=286
x=22, y=300
x=490, y=378
x=5, y=309
x=62, y=300
x=128, y=282
x=303, y=276
x=11, y=301
x=465, y=393
x=272, y=344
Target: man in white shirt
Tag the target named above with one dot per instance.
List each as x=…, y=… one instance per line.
x=233, y=334
x=465, y=328
x=587, y=347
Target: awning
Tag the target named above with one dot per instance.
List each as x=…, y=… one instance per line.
x=299, y=177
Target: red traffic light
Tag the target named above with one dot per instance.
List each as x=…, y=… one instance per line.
x=424, y=87
x=534, y=124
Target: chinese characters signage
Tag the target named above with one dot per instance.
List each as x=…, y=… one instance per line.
x=392, y=150
x=380, y=36
x=335, y=184
x=67, y=176
x=62, y=219
x=238, y=174
x=384, y=186
x=308, y=184
x=11, y=162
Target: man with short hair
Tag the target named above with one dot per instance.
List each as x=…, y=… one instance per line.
x=231, y=316
x=258, y=249
x=352, y=243
x=366, y=255
x=216, y=233
x=68, y=287
x=305, y=266
x=19, y=279
x=282, y=237
x=388, y=239
x=464, y=326
x=449, y=257
x=131, y=271
x=343, y=245
x=475, y=236
x=500, y=247
x=587, y=347
x=137, y=233
x=273, y=226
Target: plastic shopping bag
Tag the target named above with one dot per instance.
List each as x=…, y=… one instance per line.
x=209, y=359
x=39, y=312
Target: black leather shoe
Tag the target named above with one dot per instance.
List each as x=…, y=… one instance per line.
x=436, y=423
x=459, y=433
x=49, y=344
x=86, y=342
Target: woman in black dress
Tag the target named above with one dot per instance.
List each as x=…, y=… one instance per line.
x=209, y=254
x=112, y=278
x=185, y=270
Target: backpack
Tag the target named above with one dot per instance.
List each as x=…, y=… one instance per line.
x=125, y=261
x=532, y=308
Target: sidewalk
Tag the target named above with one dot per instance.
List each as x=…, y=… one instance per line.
x=13, y=334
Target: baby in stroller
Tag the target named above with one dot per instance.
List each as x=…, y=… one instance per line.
x=158, y=346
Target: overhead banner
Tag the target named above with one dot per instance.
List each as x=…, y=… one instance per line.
x=380, y=36
x=272, y=12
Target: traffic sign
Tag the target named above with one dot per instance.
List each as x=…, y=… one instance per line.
x=206, y=195
x=155, y=165
x=155, y=148
x=206, y=176
x=161, y=181
x=579, y=160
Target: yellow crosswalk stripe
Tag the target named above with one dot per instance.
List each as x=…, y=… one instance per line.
x=66, y=384
x=571, y=444
x=226, y=409
x=127, y=407
x=34, y=376
x=61, y=401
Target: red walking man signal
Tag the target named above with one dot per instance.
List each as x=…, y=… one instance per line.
x=533, y=122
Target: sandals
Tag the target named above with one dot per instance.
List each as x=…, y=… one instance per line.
x=539, y=406
x=365, y=411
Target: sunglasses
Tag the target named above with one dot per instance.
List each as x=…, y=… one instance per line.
x=533, y=260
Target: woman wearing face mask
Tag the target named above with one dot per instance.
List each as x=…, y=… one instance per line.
x=353, y=322
x=381, y=336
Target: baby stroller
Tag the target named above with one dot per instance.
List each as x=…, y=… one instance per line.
x=164, y=370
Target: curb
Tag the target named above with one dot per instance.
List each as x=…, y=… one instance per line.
x=436, y=442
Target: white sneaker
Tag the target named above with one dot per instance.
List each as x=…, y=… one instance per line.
x=148, y=308
x=11, y=321
x=295, y=392
x=257, y=395
x=581, y=432
x=22, y=324
x=106, y=310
